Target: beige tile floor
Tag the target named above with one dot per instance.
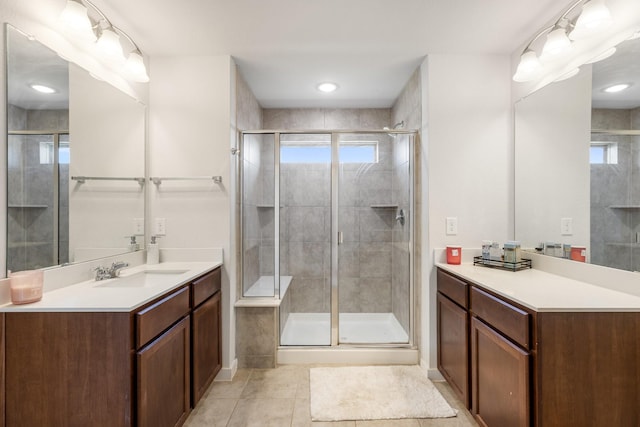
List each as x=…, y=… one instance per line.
x=280, y=398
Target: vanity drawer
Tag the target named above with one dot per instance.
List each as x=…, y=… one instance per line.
x=510, y=320
x=153, y=320
x=204, y=287
x=455, y=289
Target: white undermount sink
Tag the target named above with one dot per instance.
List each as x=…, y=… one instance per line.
x=143, y=279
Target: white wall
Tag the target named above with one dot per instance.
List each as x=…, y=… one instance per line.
x=467, y=147
x=189, y=136
x=107, y=140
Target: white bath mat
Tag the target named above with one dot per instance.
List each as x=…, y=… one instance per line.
x=375, y=393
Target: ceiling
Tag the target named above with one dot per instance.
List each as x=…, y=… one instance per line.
x=370, y=48
x=622, y=67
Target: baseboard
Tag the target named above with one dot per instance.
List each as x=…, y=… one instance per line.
x=432, y=374
x=227, y=374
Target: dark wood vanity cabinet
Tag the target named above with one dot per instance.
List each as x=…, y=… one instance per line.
x=206, y=333
x=453, y=334
x=163, y=361
x=543, y=369
x=143, y=368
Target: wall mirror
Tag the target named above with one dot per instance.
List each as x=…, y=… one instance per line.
x=75, y=161
x=577, y=162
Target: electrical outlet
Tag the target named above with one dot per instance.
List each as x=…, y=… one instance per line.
x=566, y=226
x=452, y=226
x=161, y=226
x=138, y=226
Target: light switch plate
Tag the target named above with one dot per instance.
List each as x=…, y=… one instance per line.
x=161, y=227
x=138, y=226
x=566, y=226
x=452, y=226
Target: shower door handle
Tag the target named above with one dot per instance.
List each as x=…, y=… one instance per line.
x=340, y=237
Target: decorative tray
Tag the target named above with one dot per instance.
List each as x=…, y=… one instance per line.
x=502, y=265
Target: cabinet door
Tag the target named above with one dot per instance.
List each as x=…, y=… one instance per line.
x=500, y=379
x=453, y=346
x=163, y=378
x=207, y=351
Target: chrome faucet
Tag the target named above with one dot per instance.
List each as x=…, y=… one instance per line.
x=112, y=272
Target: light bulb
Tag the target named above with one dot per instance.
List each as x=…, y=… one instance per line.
x=76, y=20
x=135, y=67
x=109, y=44
x=594, y=16
x=327, y=87
x=557, y=43
x=529, y=67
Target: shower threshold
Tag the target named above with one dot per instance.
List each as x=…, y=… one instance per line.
x=314, y=329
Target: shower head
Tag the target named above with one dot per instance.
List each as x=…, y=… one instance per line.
x=396, y=126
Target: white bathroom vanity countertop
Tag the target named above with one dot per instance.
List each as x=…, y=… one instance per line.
x=542, y=291
x=131, y=290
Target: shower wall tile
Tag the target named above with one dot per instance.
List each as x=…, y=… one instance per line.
x=341, y=119
x=307, y=259
x=309, y=295
x=375, y=224
x=365, y=295
x=604, y=118
x=375, y=118
x=350, y=300
x=250, y=264
x=267, y=260
x=375, y=294
x=292, y=119
x=348, y=261
x=349, y=223
x=309, y=224
x=248, y=110
x=375, y=188
x=318, y=118
x=375, y=260
x=48, y=120
x=16, y=118
x=307, y=188
x=408, y=106
x=400, y=284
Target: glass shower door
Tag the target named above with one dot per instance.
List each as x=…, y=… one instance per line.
x=305, y=236
x=374, y=201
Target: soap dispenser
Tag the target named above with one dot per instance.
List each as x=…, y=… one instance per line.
x=133, y=244
x=153, y=252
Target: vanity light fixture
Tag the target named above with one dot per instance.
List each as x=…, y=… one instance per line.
x=568, y=75
x=617, y=88
x=604, y=55
x=42, y=88
x=77, y=20
x=327, y=87
x=594, y=16
x=75, y=17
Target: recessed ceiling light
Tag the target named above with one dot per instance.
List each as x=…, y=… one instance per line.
x=327, y=87
x=617, y=88
x=42, y=88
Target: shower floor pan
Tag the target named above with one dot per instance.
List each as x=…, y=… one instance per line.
x=355, y=328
